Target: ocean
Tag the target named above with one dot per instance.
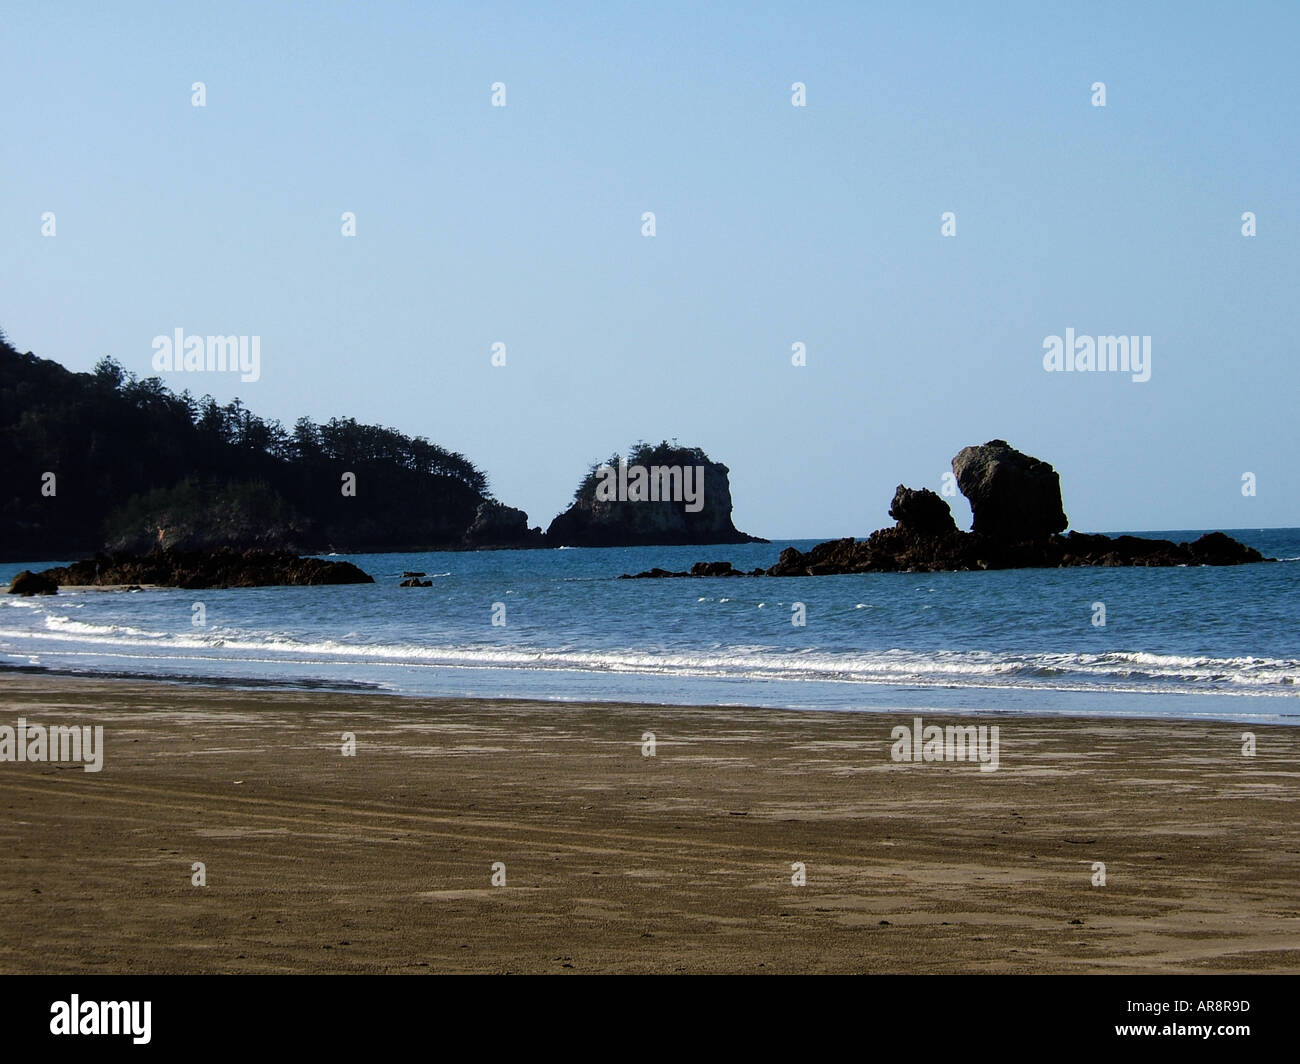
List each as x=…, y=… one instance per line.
x=1211, y=643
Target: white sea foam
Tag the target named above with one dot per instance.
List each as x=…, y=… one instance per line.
x=1126, y=671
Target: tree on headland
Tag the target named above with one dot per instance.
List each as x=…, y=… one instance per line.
x=130, y=454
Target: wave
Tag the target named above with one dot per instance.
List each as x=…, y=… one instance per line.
x=1129, y=671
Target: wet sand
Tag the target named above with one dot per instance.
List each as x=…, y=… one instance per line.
x=617, y=862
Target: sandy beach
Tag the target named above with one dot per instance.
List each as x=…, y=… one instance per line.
x=618, y=862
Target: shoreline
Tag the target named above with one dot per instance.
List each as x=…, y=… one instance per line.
x=329, y=686
x=1002, y=705
x=382, y=861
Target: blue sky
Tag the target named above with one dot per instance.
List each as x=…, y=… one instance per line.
x=774, y=225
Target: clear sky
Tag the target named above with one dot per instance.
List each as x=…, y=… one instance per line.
x=775, y=224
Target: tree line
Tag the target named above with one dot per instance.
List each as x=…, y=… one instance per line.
x=100, y=458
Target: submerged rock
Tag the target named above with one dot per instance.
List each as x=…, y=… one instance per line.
x=651, y=574
x=714, y=569
x=698, y=569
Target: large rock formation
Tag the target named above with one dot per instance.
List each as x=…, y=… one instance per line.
x=28, y=583
x=1016, y=500
x=1012, y=496
x=204, y=569
x=683, y=497
x=498, y=525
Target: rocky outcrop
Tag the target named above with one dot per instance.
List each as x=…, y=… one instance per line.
x=207, y=569
x=698, y=569
x=28, y=583
x=922, y=512
x=498, y=525
x=896, y=550
x=893, y=550
x=679, y=496
x=1016, y=500
x=1213, y=548
x=1013, y=496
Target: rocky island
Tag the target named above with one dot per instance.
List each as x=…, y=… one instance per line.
x=1018, y=518
x=659, y=495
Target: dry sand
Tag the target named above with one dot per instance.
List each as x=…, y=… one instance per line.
x=616, y=862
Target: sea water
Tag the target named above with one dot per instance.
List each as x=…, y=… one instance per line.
x=1204, y=642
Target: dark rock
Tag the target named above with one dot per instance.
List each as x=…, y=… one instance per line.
x=698, y=569
x=714, y=569
x=901, y=550
x=1013, y=496
x=205, y=569
x=835, y=555
x=921, y=511
x=1214, y=548
x=416, y=582
x=408, y=572
x=498, y=525
x=28, y=583
x=651, y=574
